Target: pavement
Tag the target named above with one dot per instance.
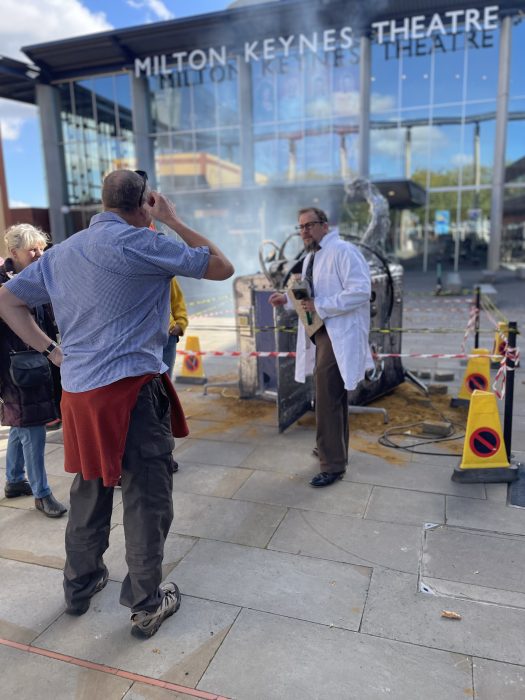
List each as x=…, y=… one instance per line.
x=290, y=592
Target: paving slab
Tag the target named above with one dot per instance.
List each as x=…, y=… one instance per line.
x=490, y=565
x=275, y=458
x=21, y=621
x=141, y=691
x=209, y=481
x=294, y=491
x=268, y=657
x=498, y=681
x=402, y=506
x=225, y=431
x=29, y=536
x=59, y=485
x=214, y=518
x=301, y=587
x=413, y=476
x=175, y=548
x=350, y=540
x=484, y=515
x=179, y=652
x=396, y=610
x=223, y=454
x=49, y=679
x=497, y=493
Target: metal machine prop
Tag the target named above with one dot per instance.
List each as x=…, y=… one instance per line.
x=262, y=328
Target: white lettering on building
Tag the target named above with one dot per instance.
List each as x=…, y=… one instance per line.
x=416, y=27
x=331, y=40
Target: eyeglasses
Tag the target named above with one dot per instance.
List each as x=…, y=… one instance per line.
x=144, y=175
x=306, y=227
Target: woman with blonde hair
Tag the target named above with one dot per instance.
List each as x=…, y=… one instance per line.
x=26, y=409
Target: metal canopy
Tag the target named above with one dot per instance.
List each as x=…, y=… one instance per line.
x=116, y=50
x=17, y=80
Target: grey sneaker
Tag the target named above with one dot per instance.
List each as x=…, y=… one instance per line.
x=145, y=624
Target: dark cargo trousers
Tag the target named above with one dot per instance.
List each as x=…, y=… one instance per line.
x=148, y=510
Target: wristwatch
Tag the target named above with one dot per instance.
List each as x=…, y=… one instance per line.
x=47, y=352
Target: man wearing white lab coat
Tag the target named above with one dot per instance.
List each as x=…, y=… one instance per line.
x=339, y=354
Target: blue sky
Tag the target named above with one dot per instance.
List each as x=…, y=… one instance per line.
x=35, y=21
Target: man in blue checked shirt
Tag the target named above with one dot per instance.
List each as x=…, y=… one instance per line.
x=109, y=286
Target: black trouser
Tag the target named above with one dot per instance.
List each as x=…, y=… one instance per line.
x=331, y=407
x=147, y=481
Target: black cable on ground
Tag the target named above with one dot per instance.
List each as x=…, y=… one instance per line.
x=400, y=430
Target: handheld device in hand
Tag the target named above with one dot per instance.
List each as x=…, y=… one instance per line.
x=301, y=292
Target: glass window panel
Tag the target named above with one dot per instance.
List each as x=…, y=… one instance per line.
x=290, y=94
x=415, y=79
x=264, y=93
x=387, y=146
x=227, y=87
x=205, y=101
x=444, y=137
x=171, y=102
x=516, y=142
x=104, y=91
x=265, y=149
x=449, y=70
x=482, y=80
x=319, y=149
x=319, y=93
x=177, y=164
x=517, y=74
x=513, y=233
x=384, y=89
x=290, y=156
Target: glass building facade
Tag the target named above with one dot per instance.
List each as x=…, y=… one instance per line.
x=235, y=141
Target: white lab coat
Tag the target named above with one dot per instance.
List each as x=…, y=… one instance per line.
x=342, y=287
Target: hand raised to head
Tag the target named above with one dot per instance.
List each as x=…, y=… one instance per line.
x=159, y=207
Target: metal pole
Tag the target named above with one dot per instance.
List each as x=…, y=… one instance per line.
x=364, y=106
x=498, y=172
x=509, y=389
x=476, y=325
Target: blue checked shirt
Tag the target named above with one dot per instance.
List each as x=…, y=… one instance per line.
x=110, y=290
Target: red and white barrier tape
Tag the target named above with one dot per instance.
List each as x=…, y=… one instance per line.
x=379, y=356
x=500, y=380
x=473, y=315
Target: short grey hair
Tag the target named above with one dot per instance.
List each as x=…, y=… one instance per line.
x=121, y=190
x=24, y=237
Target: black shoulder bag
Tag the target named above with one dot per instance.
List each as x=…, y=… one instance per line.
x=29, y=368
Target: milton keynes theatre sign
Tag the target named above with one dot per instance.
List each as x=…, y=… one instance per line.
x=412, y=36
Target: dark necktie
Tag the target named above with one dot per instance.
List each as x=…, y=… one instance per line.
x=309, y=274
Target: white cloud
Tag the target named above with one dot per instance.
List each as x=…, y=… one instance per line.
x=158, y=8
x=29, y=22
x=390, y=142
x=26, y=22
x=381, y=103
x=462, y=159
x=17, y=204
x=13, y=115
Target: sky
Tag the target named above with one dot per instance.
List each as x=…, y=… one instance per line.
x=38, y=21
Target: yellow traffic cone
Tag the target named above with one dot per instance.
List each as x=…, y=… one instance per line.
x=500, y=344
x=477, y=376
x=192, y=369
x=484, y=458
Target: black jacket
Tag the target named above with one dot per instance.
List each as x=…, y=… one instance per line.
x=24, y=407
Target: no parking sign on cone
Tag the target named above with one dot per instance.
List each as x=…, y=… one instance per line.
x=476, y=377
x=192, y=369
x=484, y=454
